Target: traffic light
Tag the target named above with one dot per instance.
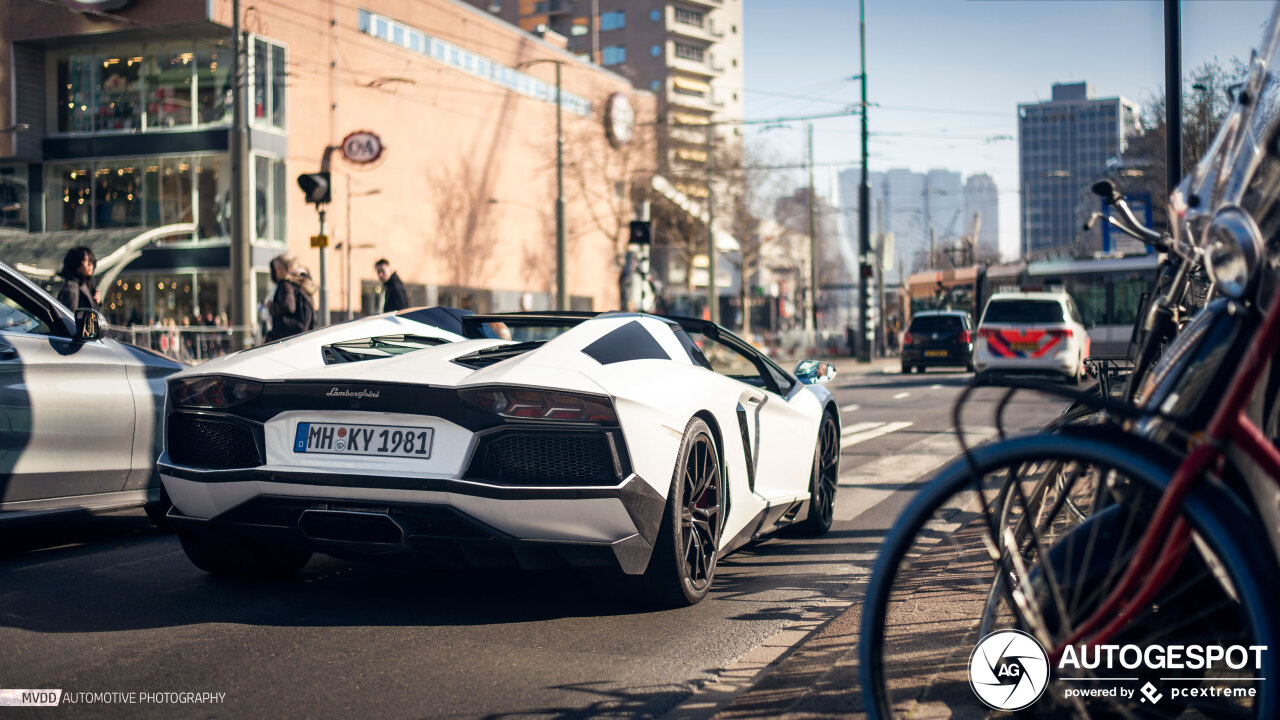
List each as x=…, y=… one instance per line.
x=316, y=187
x=641, y=232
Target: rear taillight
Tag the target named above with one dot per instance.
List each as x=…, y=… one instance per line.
x=540, y=404
x=907, y=340
x=1062, y=333
x=965, y=336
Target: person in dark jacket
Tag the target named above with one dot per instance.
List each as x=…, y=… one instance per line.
x=394, y=297
x=291, y=306
x=78, y=289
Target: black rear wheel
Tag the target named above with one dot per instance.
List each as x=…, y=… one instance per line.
x=683, y=564
x=824, y=479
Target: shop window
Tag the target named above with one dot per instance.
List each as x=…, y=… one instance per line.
x=261, y=80
x=117, y=87
x=269, y=82
x=140, y=192
x=169, y=187
x=146, y=87
x=214, y=90
x=213, y=185
x=268, y=194
x=280, y=204
x=75, y=78
x=169, y=99
x=277, y=86
x=13, y=197
x=117, y=194
x=70, y=197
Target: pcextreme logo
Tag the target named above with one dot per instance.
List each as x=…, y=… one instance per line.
x=1009, y=670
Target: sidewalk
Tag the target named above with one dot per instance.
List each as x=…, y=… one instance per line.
x=930, y=633
x=810, y=669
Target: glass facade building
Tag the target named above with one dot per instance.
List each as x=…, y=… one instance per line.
x=135, y=137
x=1063, y=147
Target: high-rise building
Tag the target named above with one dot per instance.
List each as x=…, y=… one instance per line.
x=913, y=206
x=982, y=197
x=689, y=53
x=1063, y=147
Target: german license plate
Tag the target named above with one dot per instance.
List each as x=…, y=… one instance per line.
x=1025, y=347
x=349, y=439
x=935, y=353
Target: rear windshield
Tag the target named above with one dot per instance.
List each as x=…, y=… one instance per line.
x=1023, y=312
x=936, y=323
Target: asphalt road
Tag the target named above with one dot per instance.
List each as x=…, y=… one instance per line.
x=110, y=605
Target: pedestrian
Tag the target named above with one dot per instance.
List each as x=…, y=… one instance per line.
x=78, y=290
x=394, y=297
x=291, y=307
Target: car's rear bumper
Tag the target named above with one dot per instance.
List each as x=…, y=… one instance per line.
x=432, y=519
x=1056, y=365
x=953, y=356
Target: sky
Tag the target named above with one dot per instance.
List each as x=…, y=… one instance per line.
x=945, y=77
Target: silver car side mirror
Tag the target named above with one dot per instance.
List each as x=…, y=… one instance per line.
x=90, y=325
x=815, y=372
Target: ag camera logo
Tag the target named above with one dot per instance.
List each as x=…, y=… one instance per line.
x=1009, y=670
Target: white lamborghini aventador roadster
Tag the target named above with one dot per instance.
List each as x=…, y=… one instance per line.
x=652, y=445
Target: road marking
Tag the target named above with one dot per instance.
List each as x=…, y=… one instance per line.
x=901, y=468
x=860, y=427
x=935, y=387
x=850, y=408
x=901, y=395
x=858, y=434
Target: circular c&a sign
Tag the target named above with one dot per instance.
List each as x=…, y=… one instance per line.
x=362, y=147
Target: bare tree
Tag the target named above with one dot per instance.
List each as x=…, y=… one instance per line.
x=1205, y=105
x=750, y=187
x=607, y=180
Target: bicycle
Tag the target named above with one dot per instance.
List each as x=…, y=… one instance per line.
x=1170, y=548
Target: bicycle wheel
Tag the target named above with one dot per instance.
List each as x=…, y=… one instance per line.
x=930, y=600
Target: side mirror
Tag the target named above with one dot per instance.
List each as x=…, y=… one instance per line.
x=815, y=372
x=90, y=325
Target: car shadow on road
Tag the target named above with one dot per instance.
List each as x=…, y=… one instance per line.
x=119, y=574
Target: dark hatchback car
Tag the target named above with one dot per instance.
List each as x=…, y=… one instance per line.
x=941, y=338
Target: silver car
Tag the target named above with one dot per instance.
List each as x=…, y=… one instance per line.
x=79, y=413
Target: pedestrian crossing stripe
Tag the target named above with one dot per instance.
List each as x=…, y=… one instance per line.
x=864, y=431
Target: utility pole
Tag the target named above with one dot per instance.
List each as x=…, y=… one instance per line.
x=1173, y=94
x=928, y=223
x=812, y=319
x=881, y=344
x=864, y=202
x=713, y=292
x=562, y=294
x=242, y=302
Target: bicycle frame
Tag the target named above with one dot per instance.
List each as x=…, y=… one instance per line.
x=1167, y=539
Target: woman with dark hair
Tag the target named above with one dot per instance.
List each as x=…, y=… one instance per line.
x=78, y=290
x=291, y=306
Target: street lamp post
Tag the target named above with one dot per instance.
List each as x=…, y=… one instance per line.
x=562, y=296
x=864, y=202
x=349, y=245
